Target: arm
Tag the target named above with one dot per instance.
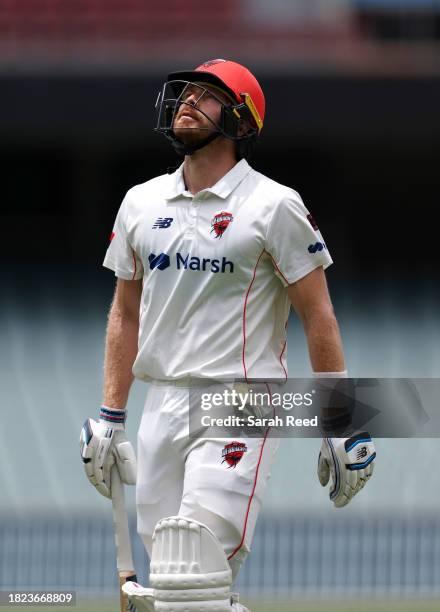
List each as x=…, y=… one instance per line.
x=103, y=442
x=351, y=458
x=311, y=300
x=121, y=342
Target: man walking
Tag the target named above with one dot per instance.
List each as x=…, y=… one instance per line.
x=208, y=261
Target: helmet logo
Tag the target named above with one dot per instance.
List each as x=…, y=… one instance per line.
x=220, y=223
x=213, y=62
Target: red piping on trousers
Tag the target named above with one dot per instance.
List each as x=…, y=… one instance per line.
x=253, y=491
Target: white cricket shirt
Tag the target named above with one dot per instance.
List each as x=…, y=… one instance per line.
x=214, y=268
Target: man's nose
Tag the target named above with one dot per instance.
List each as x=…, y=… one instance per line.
x=192, y=98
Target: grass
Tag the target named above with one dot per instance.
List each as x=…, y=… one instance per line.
x=85, y=605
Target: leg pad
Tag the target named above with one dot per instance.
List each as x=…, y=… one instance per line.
x=189, y=571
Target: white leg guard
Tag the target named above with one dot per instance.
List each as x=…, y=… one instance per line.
x=189, y=571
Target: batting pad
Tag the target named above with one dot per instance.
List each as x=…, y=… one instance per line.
x=189, y=570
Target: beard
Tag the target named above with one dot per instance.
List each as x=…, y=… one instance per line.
x=192, y=136
x=192, y=131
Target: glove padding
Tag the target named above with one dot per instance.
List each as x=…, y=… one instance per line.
x=101, y=448
x=349, y=462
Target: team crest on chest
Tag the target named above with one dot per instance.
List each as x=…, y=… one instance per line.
x=220, y=223
x=233, y=452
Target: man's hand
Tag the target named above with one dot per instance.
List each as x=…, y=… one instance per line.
x=349, y=462
x=102, y=445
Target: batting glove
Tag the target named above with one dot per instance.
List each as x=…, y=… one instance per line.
x=349, y=462
x=103, y=444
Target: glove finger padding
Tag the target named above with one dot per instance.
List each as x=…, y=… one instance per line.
x=126, y=461
x=323, y=469
x=347, y=489
x=95, y=440
x=350, y=464
x=362, y=479
x=103, y=467
x=101, y=447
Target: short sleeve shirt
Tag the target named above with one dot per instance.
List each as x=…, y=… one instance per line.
x=214, y=269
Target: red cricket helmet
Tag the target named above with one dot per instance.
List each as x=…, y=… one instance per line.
x=232, y=78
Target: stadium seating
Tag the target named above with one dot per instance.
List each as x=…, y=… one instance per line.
x=119, y=29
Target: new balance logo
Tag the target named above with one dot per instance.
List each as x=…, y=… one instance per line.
x=318, y=246
x=161, y=262
x=163, y=223
x=361, y=453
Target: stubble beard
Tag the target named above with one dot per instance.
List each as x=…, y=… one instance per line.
x=191, y=132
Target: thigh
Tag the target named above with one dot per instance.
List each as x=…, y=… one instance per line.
x=160, y=466
x=223, y=487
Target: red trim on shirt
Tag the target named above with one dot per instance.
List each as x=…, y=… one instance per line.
x=284, y=347
x=244, y=314
x=134, y=264
x=277, y=268
x=281, y=358
x=235, y=551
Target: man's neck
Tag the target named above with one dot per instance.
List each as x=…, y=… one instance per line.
x=207, y=166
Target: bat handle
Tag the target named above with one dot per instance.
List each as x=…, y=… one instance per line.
x=124, y=557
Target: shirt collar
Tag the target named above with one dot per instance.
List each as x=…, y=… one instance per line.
x=223, y=188
x=177, y=185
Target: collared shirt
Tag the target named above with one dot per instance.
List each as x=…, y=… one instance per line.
x=214, y=267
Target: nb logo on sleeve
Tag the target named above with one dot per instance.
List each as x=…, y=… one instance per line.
x=318, y=246
x=163, y=223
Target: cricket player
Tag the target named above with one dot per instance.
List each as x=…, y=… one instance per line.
x=209, y=260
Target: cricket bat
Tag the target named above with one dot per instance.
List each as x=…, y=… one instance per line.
x=124, y=556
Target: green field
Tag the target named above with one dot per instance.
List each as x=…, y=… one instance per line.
x=275, y=606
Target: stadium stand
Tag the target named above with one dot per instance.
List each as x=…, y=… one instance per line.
x=122, y=36
x=139, y=31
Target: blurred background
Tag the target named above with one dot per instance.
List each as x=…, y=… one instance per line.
x=353, y=124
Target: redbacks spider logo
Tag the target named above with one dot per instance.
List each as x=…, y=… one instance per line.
x=233, y=452
x=220, y=222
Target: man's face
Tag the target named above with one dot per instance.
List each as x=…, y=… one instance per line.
x=191, y=126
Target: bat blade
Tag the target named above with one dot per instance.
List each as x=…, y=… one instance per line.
x=124, y=556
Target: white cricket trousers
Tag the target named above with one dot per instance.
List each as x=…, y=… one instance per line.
x=178, y=475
